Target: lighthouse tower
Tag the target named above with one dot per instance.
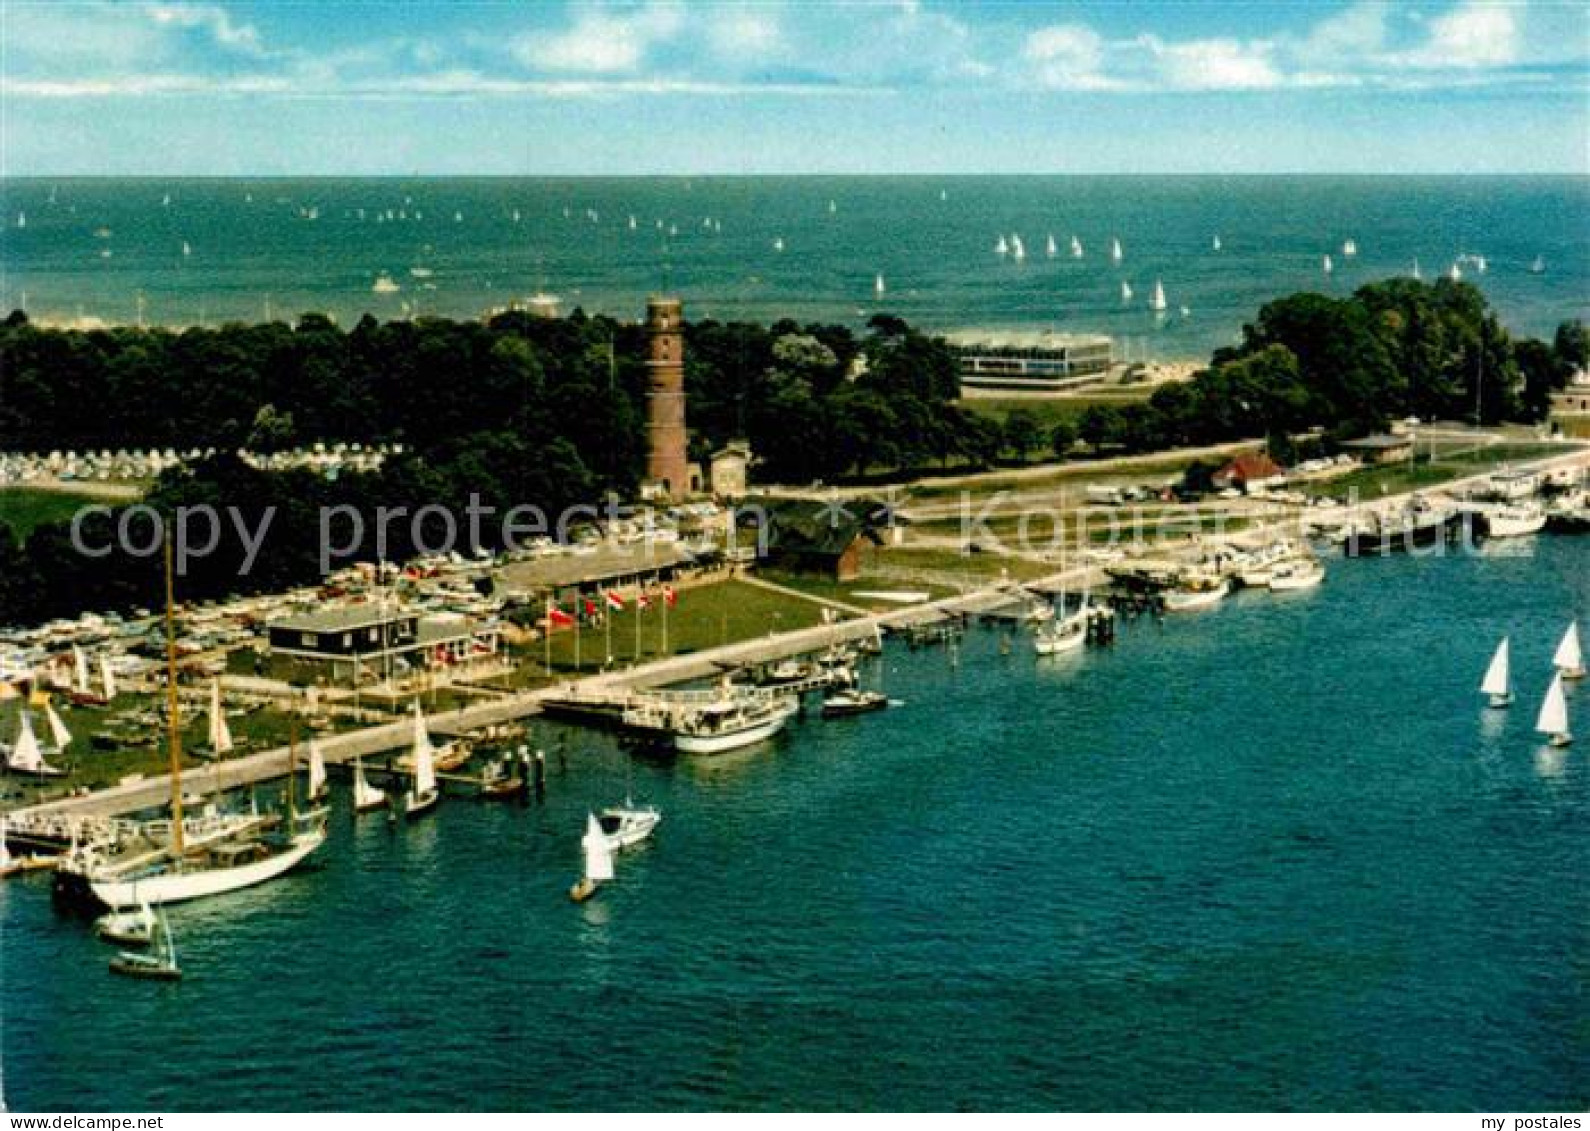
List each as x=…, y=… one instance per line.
x=666, y=465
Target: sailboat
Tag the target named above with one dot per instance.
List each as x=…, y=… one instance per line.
x=365, y=796
x=1115, y=251
x=778, y=243
x=1553, y=719
x=26, y=756
x=1214, y=244
x=878, y=287
x=1018, y=250
x=1076, y=248
x=22, y=219
x=1569, y=660
x=1326, y=265
x=187, y=249
x=161, y=966
x=598, y=861
x=1417, y=274
x=1538, y=267
x=1126, y=293
x=190, y=860
x=1349, y=249
x=832, y=207
x=220, y=736
x=58, y=732
x=1455, y=273
x=1001, y=247
x=107, y=678
x=317, y=773
x=423, y=793
x=1157, y=302
x=1050, y=249
x=1498, y=683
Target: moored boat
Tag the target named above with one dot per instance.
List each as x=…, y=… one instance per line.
x=729, y=724
x=1300, y=573
x=160, y=966
x=853, y=701
x=1196, y=593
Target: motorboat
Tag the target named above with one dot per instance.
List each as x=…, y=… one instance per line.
x=1300, y=573
x=729, y=724
x=1194, y=593
x=853, y=701
x=1514, y=521
x=627, y=825
x=127, y=928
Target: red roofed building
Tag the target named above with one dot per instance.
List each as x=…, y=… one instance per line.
x=1250, y=472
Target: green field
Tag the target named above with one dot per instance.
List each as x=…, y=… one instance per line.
x=1394, y=479
x=1049, y=411
x=23, y=508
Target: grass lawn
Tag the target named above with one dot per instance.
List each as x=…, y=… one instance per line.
x=23, y=508
x=1393, y=479
x=1049, y=411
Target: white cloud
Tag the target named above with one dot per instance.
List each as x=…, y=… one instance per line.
x=1214, y=64
x=740, y=32
x=601, y=42
x=214, y=21
x=1478, y=33
x=1066, y=57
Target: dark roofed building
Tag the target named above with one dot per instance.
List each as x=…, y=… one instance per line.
x=819, y=537
x=1383, y=448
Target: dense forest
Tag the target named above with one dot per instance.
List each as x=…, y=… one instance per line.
x=521, y=409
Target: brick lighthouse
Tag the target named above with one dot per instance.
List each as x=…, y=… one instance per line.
x=666, y=465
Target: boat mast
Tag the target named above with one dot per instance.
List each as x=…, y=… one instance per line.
x=173, y=706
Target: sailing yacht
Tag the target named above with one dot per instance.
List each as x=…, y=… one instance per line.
x=22, y=219
x=180, y=859
x=1001, y=247
x=1157, y=302
x=423, y=792
x=161, y=966
x=1050, y=250
x=1214, y=244
x=1115, y=251
x=598, y=860
x=59, y=735
x=1538, y=267
x=1455, y=273
x=1553, y=719
x=1569, y=659
x=1018, y=250
x=878, y=287
x=365, y=796
x=1126, y=293
x=187, y=249
x=1498, y=682
x=1349, y=249
x=1326, y=265
x=1417, y=274
x=1076, y=248
x=778, y=243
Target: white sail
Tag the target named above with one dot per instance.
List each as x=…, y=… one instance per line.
x=107, y=678
x=1076, y=248
x=1417, y=274
x=1050, y=249
x=1158, y=300
x=1115, y=251
x=424, y=767
x=220, y=733
x=778, y=243
x=598, y=854
x=317, y=770
x=79, y=669
x=1327, y=265
x=1568, y=658
x=1497, y=679
x=1214, y=244
x=365, y=795
x=26, y=756
x=1018, y=250
x=1455, y=273
x=59, y=735
x=1126, y=292
x=1001, y=248
x=1349, y=248
x=877, y=286
x=1553, y=718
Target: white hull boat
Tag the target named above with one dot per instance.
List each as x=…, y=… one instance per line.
x=1515, y=522
x=1293, y=576
x=729, y=739
x=625, y=825
x=1192, y=599
x=1553, y=719
x=177, y=885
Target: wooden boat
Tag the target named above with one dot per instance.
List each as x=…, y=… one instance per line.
x=161, y=966
x=1497, y=684
x=498, y=782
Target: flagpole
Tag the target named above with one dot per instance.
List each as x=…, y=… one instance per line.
x=546, y=632
x=578, y=616
x=607, y=625
x=639, y=608
x=665, y=622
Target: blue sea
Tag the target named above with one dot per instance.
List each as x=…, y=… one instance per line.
x=1272, y=856
x=183, y=252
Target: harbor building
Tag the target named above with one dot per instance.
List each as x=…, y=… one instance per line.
x=816, y=537
x=667, y=464
x=354, y=638
x=1032, y=361
x=1384, y=448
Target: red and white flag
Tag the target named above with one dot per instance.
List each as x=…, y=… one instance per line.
x=642, y=601
x=670, y=596
x=614, y=601
x=557, y=618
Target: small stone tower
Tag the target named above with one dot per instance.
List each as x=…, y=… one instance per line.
x=666, y=464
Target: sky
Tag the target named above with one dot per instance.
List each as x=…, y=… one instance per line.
x=278, y=87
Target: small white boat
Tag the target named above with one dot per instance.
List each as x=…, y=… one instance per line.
x=1349, y=248
x=1214, y=244
x=1417, y=274
x=1553, y=718
x=161, y=966
x=1538, y=267
x=421, y=272
x=1116, y=255
x=1498, y=683
x=1126, y=292
x=878, y=287
x=1569, y=659
x=1063, y=634
x=1515, y=521
x=1326, y=265
x=1050, y=248
x=187, y=249
x=1301, y=573
x=26, y=755
x=1455, y=273
x=627, y=825
x=385, y=285
x=1018, y=250
x=1194, y=594
x=423, y=792
x=127, y=928
x=598, y=861
x=1076, y=248
x=365, y=796
x=22, y=219
x=778, y=243
x=1157, y=302
x=853, y=701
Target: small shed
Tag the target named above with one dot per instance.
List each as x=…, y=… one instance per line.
x=1380, y=448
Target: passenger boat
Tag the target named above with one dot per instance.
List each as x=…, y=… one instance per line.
x=1553, y=718
x=1196, y=593
x=161, y=966
x=598, y=861
x=729, y=724
x=1300, y=573
x=627, y=825
x=852, y=701
x=1497, y=685
x=1569, y=659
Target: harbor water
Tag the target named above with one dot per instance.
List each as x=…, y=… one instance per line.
x=1275, y=855
x=185, y=252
